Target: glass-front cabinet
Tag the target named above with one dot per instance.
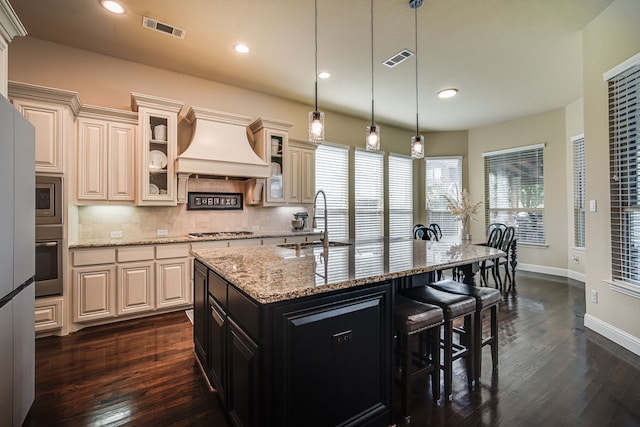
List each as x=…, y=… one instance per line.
x=158, y=124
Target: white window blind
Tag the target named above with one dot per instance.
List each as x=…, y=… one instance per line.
x=332, y=176
x=443, y=177
x=369, y=195
x=624, y=164
x=514, y=191
x=578, y=193
x=400, y=175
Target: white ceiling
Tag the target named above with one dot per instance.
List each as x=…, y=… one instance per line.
x=509, y=58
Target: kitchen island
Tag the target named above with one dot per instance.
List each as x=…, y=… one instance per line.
x=292, y=335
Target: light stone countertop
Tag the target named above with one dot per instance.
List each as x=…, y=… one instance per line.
x=271, y=273
x=98, y=243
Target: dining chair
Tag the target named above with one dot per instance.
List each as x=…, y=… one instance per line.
x=505, y=246
x=435, y=227
x=493, y=225
x=415, y=228
x=494, y=240
x=425, y=233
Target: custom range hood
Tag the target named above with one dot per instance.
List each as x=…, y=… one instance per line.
x=221, y=144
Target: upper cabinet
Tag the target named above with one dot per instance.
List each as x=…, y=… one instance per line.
x=52, y=112
x=158, y=136
x=106, y=156
x=301, y=164
x=273, y=135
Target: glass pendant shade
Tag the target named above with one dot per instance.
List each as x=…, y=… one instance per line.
x=417, y=147
x=372, y=135
x=316, y=126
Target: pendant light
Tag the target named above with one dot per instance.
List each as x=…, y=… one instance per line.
x=316, y=118
x=417, y=141
x=372, y=133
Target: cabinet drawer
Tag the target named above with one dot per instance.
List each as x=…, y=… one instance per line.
x=48, y=314
x=172, y=251
x=94, y=256
x=218, y=288
x=135, y=253
x=244, y=310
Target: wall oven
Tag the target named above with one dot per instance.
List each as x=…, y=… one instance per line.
x=48, y=245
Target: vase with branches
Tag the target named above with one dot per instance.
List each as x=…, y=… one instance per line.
x=463, y=210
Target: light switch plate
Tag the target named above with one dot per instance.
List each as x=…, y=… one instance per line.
x=162, y=232
x=593, y=206
x=116, y=234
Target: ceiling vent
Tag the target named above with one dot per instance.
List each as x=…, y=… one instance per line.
x=152, y=24
x=399, y=57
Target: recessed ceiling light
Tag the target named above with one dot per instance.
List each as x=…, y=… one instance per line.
x=113, y=6
x=324, y=74
x=447, y=93
x=241, y=48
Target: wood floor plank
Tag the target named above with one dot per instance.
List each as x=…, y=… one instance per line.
x=552, y=372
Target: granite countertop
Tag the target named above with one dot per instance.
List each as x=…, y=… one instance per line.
x=97, y=243
x=272, y=273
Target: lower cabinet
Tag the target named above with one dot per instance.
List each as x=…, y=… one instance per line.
x=129, y=281
x=317, y=361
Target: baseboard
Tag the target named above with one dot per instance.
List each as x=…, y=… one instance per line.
x=612, y=333
x=580, y=277
x=553, y=271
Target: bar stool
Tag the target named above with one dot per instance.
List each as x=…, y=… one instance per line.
x=415, y=319
x=486, y=299
x=453, y=307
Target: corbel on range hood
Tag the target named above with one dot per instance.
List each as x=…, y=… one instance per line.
x=221, y=145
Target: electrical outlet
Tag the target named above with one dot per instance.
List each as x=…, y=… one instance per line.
x=162, y=232
x=576, y=259
x=594, y=296
x=116, y=234
x=255, y=227
x=593, y=206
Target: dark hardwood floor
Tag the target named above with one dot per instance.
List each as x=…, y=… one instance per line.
x=551, y=373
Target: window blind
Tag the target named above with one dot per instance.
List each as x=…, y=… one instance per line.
x=369, y=195
x=624, y=164
x=400, y=176
x=332, y=176
x=443, y=177
x=578, y=193
x=514, y=191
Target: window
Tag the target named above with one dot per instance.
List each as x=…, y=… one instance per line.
x=624, y=165
x=443, y=177
x=332, y=176
x=400, y=175
x=514, y=191
x=578, y=192
x=369, y=195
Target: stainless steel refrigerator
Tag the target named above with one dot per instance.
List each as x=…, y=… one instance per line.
x=17, y=265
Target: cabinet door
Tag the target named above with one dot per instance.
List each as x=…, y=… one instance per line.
x=159, y=135
x=48, y=120
x=217, y=348
x=294, y=175
x=172, y=282
x=276, y=184
x=242, y=391
x=48, y=314
x=135, y=287
x=200, y=309
x=308, y=176
x=94, y=293
x=92, y=160
x=122, y=157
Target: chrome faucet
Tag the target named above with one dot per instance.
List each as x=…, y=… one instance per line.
x=325, y=239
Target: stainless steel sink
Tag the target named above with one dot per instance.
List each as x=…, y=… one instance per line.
x=314, y=244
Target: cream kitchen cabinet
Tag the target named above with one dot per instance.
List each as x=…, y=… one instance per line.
x=158, y=136
x=300, y=184
x=129, y=281
x=106, y=156
x=272, y=136
x=48, y=314
x=52, y=112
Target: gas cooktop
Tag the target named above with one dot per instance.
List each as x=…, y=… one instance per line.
x=220, y=234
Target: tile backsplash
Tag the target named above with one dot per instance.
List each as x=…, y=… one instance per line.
x=97, y=222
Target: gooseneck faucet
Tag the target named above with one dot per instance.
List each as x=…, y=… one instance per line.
x=325, y=239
